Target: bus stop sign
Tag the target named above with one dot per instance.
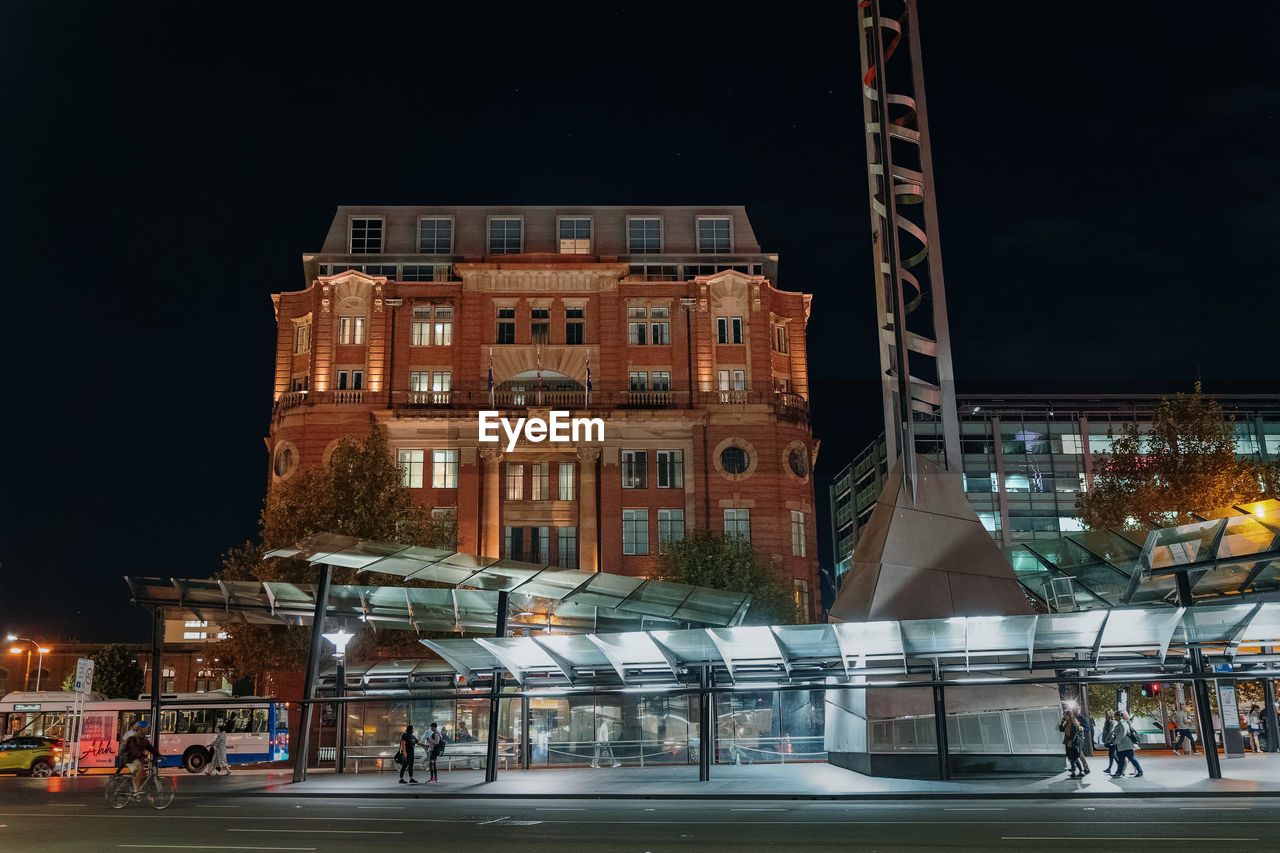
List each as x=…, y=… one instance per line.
x=84, y=676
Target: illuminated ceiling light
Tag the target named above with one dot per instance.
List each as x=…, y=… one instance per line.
x=339, y=638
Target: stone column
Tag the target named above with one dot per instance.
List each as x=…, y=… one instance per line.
x=588, y=529
x=491, y=522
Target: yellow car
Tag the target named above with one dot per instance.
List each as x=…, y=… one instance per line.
x=31, y=756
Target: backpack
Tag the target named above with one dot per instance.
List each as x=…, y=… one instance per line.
x=440, y=746
x=1077, y=740
x=1133, y=736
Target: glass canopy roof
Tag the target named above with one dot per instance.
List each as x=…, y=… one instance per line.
x=1141, y=639
x=628, y=596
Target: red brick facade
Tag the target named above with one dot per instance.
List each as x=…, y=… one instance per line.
x=725, y=384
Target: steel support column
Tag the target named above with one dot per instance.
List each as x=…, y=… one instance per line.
x=525, y=746
x=313, y=673
x=340, y=719
x=157, y=643
x=705, y=739
x=491, y=751
x=940, y=725
x=1200, y=689
x=1269, y=719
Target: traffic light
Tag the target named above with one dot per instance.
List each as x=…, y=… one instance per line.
x=1151, y=689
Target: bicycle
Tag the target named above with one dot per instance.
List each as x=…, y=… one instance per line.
x=157, y=790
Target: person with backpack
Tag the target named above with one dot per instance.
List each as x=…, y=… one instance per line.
x=1072, y=740
x=405, y=756
x=1107, y=728
x=435, y=748
x=1126, y=741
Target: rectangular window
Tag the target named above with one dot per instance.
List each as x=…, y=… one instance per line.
x=410, y=462
x=443, y=333
x=661, y=380
x=540, y=326
x=575, y=236
x=722, y=330
x=513, y=543
x=506, y=325
x=737, y=522
x=504, y=235
x=635, y=531
x=420, y=380
x=421, y=333
x=435, y=235
x=540, y=481
x=357, y=380
x=635, y=469
x=1071, y=443
x=780, y=338
x=655, y=272
x=444, y=469
x=565, y=489
x=342, y=380
x=639, y=380
x=515, y=481
x=715, y=235
x=644, y=235
x=344, y=329
x=539, y=545
x=301, y=337
x=802, y=598
x=797, y=534
x=670, y=469
x=670, y=527
x=366, y=236
x=567, y=547
x=573, y=325
x=427, y=272
x=636, y=333
x=442, y=380
x=739, y=380
x=722, y=380
x=660, y=334
x=736, y=328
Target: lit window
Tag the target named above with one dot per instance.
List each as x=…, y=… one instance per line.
x=1071, y=443
x=575, y=236
x=410, y=462
x=661, y=380
x=444, y=469
x=515, y=482
x=780, y=338
x=442, y=380
x=802, y=598
x=194, y=635
x=670, y=469
x=670, y=527
x=565, y=489
x=366, y=236
x=635, y=531
x=715, y=235
x=196, y=623
x=302, y=337
x=567, y=547
x=657, y=333
x=644, y=235
x=737, y=522
x=421, y=333
x=540, y=481
x=635, y=469
x=739, y=380
x=351, y=330
x=639, y=380
x=504, y=235
x=420, y=380
x=797, y=534
x=435, y=235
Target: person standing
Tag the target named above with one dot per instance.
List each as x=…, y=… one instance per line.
x=1126, y=740
x=1254, y=727
x=218, y=764
x=1108, y=726
x=435, y=746
x=1072, y=739
x=1086, y=731
x=407, y=743
x=1184, y=732
x=603, y=746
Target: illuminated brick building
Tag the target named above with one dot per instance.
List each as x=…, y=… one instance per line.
x=697, y=368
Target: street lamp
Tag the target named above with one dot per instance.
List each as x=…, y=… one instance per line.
x=26, y=680
x=340, y=638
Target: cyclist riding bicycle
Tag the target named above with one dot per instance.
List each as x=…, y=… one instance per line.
x=133, y=753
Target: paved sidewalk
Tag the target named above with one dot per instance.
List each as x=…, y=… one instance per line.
x=1164, y=776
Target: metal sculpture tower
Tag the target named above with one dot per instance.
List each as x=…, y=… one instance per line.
x=915, y=346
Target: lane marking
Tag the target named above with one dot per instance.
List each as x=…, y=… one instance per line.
x=758, y=810
x=380, y=807
x=1113, y=838
x=329, y=831
x=205, y=847
x=559, y=810
x=976, y=809
x=495, y=820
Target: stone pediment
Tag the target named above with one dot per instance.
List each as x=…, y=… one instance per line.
x=541, y=277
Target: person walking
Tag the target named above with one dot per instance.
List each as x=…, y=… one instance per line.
x=602, y=746
x=408, y=741
x=1086, y=729
x=1254, y=727
x=435, y=746
x=1126, y=740
x=1184, y=732
x=1072, y=740
x=218, y=765
x=1108, y=726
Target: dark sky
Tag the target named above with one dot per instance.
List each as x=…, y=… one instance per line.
x=1108, y=187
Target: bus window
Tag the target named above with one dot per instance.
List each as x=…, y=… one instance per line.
x=259, y=720
x=167, y=720
x=282, y=717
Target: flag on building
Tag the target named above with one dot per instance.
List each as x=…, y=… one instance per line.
x=588, y=402
x=491, y=376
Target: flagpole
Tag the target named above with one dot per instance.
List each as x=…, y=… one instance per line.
x=588, y=401
x=539, y=374
x=491, y=404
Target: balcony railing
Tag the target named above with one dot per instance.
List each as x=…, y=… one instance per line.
x=649, y=399
x=436, y=399
x=289, y=399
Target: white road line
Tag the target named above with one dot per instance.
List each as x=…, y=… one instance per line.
x=757, y=810
x=559, y=810
x=329, y=831
x=1113, y=838
x=495, y=820
x=205, y=847
x=1213, y=809
x=976, y=809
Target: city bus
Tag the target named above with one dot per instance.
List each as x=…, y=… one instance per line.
x=259, y=726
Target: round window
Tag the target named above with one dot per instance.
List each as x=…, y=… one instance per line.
x=799, y=461
x=284, y=461
x=734, y=460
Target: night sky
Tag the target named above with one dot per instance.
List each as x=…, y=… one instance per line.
x=1108, y=183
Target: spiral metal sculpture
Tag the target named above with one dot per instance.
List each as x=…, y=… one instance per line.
x=915, y=347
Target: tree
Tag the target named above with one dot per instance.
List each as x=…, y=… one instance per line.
x=358, y=493
x=731, y=564
x=116, y=673
x=1187, y=463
